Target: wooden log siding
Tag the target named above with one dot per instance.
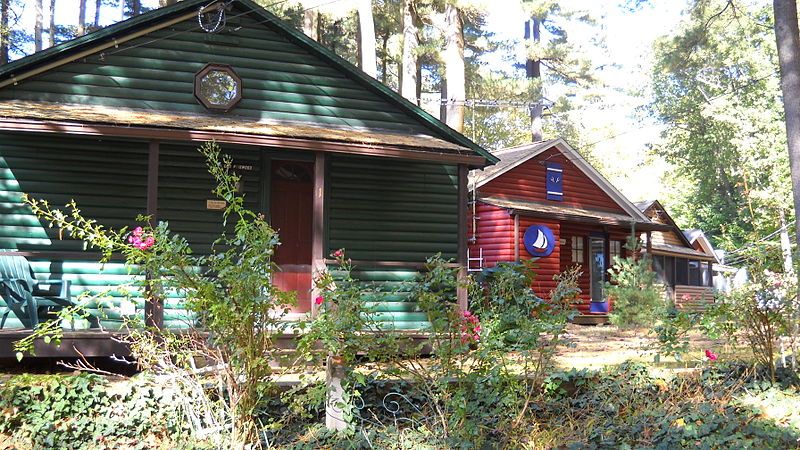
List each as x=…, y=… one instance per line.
x=583, y=231
x=693, y=298
x=386, y=292
x=184, y=186
x=281, y=80
x=108, y=180
x=494, y=234
x=527, y=181
x=380, y=210
x=546, y=267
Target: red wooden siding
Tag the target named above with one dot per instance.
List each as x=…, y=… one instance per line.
x=527, y=181
x=495, y=232
x=547, y=266
x=567, y=231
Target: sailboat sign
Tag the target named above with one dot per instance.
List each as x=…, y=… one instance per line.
x=539, y=240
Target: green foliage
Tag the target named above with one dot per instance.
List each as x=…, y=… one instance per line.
x=638, y=300
x=672, y=335
x=88, y=412
x=230, y=290
x=720, y=99
x=626, y=407
x=763, y=310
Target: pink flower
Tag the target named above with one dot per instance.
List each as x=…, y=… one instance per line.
x=138, y=231
x=711, y=355
x=318, y=301
x=338, y=253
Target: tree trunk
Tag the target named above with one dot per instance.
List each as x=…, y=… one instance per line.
x=52, y=30
x=787, y=36
x=311, y=23
x=410, y=63
x=81, y=17
x=385, y=59
x=163, y=3
x=38, y=26
x=5, y=34
x=366, y=47
x=533, y=71
x=136, y=7
x=454, y=67
x=97, y=5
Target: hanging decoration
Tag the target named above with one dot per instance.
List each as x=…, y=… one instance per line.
x=539, y=241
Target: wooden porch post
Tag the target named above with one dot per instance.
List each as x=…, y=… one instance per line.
x=318, y=227
x=515, y=239
x=154, y=306
x=649, y=236
x=462, y=237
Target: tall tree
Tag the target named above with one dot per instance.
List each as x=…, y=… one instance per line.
x=51, y=32
x=455, y=75
x=558, y=55
x=410, y=63
x=366, y=47
x=97, y=5
x=38, y=25
x=81, y=17
x=718, y=98
x=787, y=37
x=5, y=31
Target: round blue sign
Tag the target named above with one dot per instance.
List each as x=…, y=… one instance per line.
x=539, y=240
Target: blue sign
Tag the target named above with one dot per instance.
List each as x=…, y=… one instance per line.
x=554, y=184
x=539, y=240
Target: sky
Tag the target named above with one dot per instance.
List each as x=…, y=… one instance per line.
x=623, y=135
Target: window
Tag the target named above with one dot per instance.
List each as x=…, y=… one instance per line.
x=218, y=87
x=615, y=251
x=681, y=271
x=659, y=269
x=695, y=278
x=669, y=270
x=577, y=249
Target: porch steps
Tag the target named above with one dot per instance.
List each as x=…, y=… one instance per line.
x=591, y=319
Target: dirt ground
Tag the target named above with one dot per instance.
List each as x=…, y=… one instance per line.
x=602, y=345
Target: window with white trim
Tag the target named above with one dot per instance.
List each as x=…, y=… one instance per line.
x=577, y=249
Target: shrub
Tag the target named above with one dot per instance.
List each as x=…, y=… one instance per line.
x=230, y=290
x=88, y=412
x=638, y=300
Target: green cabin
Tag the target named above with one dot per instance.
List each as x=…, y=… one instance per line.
x=332, y=157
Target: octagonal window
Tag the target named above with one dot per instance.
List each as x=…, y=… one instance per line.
x=218, y=87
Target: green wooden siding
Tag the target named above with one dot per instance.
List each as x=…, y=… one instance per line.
x=281, y=80
x=107, y=178
x=388, y=210
x=385, y=292
x=184, y=185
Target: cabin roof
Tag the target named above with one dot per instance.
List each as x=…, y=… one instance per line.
x=697, y=235
x=515, y=156
x=442, y=136
x=127, y=117
x=679, y=250
x=569, y=213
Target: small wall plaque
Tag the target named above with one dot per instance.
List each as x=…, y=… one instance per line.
x=216, y=205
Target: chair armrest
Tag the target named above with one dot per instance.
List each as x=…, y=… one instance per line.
x=63, y=291
x=9, y=294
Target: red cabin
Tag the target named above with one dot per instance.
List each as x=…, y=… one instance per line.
x=544, y=201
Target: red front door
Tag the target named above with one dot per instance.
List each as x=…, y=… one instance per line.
x=291, y=210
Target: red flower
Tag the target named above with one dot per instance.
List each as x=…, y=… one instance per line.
x=318, y=301
x=711, y=355
x=338, y=253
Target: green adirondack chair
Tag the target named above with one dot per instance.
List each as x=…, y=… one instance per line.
x=29, y=299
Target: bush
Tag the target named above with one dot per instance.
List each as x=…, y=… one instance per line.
x=88, y=412
x=638, y=300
